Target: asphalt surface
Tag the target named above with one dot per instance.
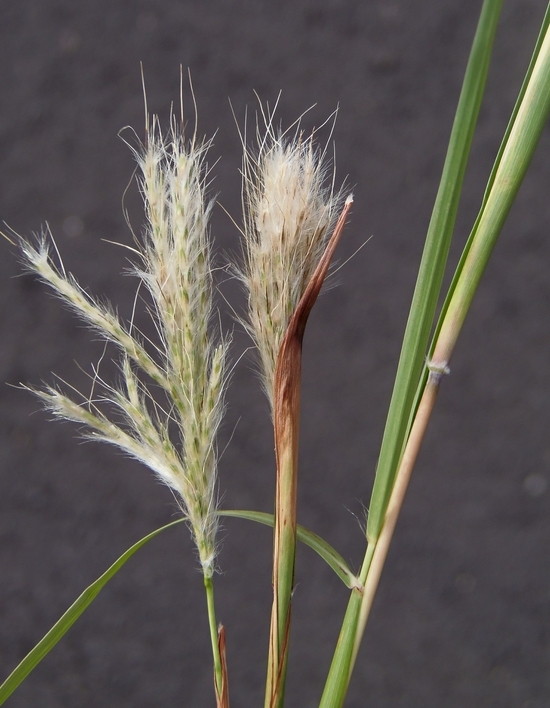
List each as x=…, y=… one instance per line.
x=463, y=612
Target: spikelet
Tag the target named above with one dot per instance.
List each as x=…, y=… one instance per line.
x=176, y=269
x=289, y=214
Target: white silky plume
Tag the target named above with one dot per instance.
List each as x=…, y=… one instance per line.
x=289, y=214
x=176, y=440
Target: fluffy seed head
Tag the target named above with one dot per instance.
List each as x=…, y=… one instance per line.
x=176, y=440
x=289, y=214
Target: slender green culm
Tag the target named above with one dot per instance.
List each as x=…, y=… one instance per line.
x=513, y=162
x=419, y=324
x=432, y=266
x=341, y=667
x=213, y=626
x=494, y=171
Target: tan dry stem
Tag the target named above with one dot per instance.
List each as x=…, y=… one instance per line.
x=402, y=479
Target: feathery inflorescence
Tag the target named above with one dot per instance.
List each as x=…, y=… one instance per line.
x=289, y=213
x=190, y=368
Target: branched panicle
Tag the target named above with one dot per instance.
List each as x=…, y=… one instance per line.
x=289, y=213
x=189, y=365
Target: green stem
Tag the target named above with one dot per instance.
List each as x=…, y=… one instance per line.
x=540, y=41
x=514, y=161
x=415, y=343
x=285, y=534
x=342, y=662
x=394, y=506
x=218, y=676
x=432, y=266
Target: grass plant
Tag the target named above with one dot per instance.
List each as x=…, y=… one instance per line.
x=167, y=410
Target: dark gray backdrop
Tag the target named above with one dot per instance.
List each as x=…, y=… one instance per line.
x=462, y=617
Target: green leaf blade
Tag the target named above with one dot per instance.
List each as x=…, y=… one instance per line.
x=315, y=542
x=66, y=621
x=522, y=135
x=430, y=276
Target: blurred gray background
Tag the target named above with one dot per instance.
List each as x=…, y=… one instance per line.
x=463, y=612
